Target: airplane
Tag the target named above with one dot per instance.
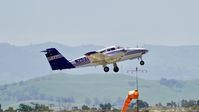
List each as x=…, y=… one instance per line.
x=108, y=55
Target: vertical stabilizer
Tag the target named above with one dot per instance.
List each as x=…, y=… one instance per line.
x=56, y=60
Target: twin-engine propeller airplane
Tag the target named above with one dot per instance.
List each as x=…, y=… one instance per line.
x=109, y=55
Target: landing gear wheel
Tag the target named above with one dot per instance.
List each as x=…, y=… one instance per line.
x=115, y=69
x=106, y=69
x=141, y=62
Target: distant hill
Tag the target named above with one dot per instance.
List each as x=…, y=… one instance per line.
x=94, y=89
x=26, y=62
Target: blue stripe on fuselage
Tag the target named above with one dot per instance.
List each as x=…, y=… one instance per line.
x=81, y=61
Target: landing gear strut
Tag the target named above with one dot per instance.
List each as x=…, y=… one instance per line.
x=116, y=68
x=106, y=69
x=141, y=62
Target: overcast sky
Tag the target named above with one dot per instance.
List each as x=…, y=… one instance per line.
x=100, y=22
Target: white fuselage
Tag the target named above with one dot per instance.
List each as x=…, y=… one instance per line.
x=109, y=55
x=115, y=55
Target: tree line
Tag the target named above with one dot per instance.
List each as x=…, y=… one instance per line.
x=35, y=107
x=106, y=107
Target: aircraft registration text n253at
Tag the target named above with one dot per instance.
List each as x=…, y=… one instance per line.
x=108, y=55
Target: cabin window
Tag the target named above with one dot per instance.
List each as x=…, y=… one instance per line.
x=112, y=49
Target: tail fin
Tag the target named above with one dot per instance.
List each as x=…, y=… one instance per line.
x=56, y=60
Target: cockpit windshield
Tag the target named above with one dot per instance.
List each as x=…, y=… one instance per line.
x=110, y=49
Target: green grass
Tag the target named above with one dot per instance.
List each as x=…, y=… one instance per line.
x=105, y=87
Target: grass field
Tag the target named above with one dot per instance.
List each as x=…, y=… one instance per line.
x=94, y=88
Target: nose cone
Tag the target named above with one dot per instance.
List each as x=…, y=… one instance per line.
x=144, y=51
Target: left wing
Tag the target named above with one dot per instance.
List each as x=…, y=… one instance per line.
x=96, y=57
x=100, y=58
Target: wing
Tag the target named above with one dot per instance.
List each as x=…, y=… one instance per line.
x=96, y=57
x=100, y=58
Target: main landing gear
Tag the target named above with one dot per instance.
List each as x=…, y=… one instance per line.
x=106, y=69
x=115, y=68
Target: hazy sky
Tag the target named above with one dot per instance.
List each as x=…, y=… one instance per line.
x=100, y=22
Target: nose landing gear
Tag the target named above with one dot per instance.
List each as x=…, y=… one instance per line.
x=141, y=62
